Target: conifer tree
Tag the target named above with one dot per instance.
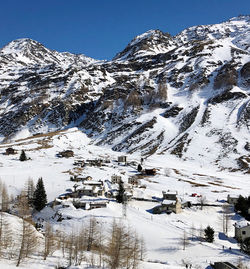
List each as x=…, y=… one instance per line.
x=23, y=156
x=139, y=168
x=209, y=234
x=40, y=197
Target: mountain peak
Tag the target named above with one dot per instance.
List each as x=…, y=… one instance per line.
x=150, y=42
x=20, y=45
x=26, y=51
x=149, y=35
x=230, y=28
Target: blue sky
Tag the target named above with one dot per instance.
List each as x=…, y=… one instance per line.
x=102, y=28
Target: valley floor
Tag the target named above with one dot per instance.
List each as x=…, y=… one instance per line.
x=162, y=233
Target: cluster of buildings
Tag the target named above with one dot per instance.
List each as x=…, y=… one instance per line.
x=92, y=194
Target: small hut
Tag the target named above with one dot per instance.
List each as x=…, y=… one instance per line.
x=116, y=179
x=10, y=151
x=122, y=159
x=66, y=153
x=150, y=172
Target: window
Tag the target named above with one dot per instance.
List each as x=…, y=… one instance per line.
x=243, y=232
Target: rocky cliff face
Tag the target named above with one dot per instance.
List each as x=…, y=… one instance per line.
x=186, y=95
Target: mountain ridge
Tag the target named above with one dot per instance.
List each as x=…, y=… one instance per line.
x=186, y=95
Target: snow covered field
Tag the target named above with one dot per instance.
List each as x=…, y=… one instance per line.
x=162, y=233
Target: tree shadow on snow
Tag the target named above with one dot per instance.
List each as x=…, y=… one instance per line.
x=237, y=217
x=222, y=236
x=157, y=198
x=167, y=249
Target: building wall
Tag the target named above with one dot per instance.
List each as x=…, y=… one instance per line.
x=169, y=196
x=122, y=159
x=116, y=179
x=178, y=208
x=232, y=200
x=242, y=233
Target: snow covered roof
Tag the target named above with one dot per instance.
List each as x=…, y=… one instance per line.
x=93, y=182
x=242, y=224
x=86, y=187
x=170, y=192
x=87, y=199
x=167, y=202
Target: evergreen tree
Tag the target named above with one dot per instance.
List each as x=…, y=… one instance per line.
x=40, y=197
x=209, y=234
x=23, y=156
x=245, y=245
x=120, y=196
x=242, y=205
x=139, y=168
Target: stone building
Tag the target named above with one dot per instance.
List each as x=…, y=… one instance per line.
x=242, y=230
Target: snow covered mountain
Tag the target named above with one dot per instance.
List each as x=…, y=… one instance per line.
x=186, y=95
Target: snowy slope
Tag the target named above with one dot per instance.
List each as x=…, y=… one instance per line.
x=162, y=233
x=186, y=95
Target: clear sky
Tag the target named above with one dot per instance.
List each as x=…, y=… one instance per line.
x=102, y=28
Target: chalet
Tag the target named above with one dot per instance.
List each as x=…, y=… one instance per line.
x=128, y=194
x=89, y=204
x=150, y=172
x=223, y=265
x=134, y=181
x=172, y=196
x=122, y=159
x=116, y=179
x=87, y=178
x=80, y=178
x=97, y=162
x=111, y=193
x=242, y=230
x=105, y=159
x=79, y=163
x=97, y=205
x=168, y=206
x=93, y=190
x=85, y=191
x=96, y=183
x=232, y=200
x=96, y=186
x=99, y=191
x=76, y=178
x=10, y=151
x=66, y=154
